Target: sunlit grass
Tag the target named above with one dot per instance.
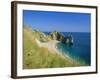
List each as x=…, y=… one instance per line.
x=36, y=57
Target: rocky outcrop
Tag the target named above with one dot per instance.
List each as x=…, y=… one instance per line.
x=53, y=36
x=56, y=36
x=68, y=39
x=64, y=39
x=40, y=36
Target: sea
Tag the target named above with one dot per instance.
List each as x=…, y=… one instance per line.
x=80, y=51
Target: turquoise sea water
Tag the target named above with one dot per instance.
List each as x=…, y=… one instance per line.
x=80, y=51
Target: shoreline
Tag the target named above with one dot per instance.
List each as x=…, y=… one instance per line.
x=52, y=46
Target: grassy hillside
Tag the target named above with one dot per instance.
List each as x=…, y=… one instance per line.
x=36, y=57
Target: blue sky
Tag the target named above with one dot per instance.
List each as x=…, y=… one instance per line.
x=60, y=21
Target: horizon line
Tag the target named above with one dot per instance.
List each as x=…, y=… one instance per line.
x=55, y=30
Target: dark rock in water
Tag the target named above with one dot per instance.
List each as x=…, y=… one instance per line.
x=56, y=36
x=68, y=39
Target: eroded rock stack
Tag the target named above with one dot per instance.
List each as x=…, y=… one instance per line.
x=60, y=37
x=56, y=36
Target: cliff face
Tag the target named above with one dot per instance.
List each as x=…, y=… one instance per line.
x=52, y=36
x=58, y=36
x=40, y=36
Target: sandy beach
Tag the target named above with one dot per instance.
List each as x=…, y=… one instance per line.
x=50, y=45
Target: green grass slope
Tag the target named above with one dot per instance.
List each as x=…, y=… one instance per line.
x=36, y=57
